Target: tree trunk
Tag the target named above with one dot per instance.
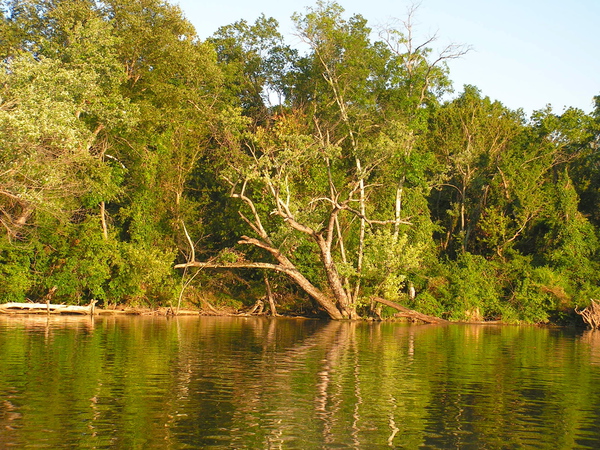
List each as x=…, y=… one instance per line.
x=326, y=302
x=103, y=220
x=406, y=312
x=335, y=282
x=270, y=297
x=361, y=236
x=398, y=209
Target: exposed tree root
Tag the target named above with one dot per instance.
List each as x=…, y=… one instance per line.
x=591, y=315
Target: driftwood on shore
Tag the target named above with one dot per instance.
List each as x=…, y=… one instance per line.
x=45, y=308
x=409, y=313
x=591, y=315
x=49, y=308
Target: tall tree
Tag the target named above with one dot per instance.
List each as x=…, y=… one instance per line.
x=255, y=61
x=324, y=170
x=56, y=103
x=472, y=137
x=129, y=102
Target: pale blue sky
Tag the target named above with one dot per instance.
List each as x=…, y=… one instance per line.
x=526, y=53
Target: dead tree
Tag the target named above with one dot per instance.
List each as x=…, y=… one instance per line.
x=591, y=315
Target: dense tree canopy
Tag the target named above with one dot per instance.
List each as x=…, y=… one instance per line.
x=132, y=153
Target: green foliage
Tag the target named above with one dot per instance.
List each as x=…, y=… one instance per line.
x=388, y=261
x=228, y=255
x=83, y=265
x=14, y=263
x=255, y=61
x=430, y=304
x=514, y=290
x=142, y=276
x=538, y=292
x=121, y=134
x=46, y=143
x=474, y=289
x=80, y=266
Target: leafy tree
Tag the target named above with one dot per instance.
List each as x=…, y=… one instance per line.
x=472, y=137
x=325, y=169
x=255, y=62
x=584, y=171
x=124, y=122
x=413, y=78
x=51, y=153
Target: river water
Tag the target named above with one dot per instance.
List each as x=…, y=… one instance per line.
x=257, y=383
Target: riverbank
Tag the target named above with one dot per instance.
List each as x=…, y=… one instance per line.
x=55, y=309
x=39, y=309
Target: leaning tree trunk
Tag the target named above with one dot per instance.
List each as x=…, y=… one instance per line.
x=334, y=280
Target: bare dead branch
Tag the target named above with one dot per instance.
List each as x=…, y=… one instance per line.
x=242, y=265
x=257, y=226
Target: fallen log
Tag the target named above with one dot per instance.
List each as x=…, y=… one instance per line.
x=409, y=313
x=45, y=308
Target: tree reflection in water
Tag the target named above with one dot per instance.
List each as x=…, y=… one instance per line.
x=153, y=382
